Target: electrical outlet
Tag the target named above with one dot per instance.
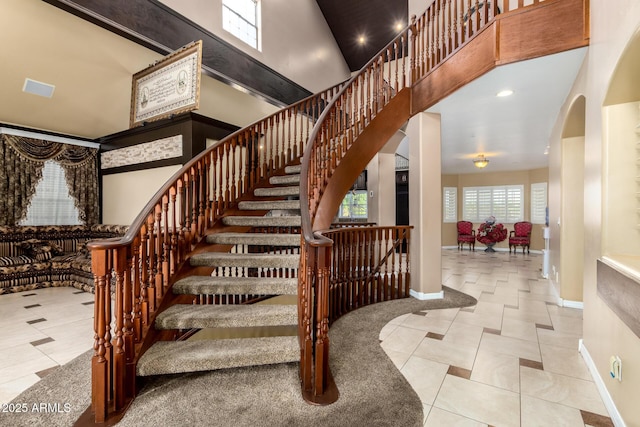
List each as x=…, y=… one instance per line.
x=615, y=367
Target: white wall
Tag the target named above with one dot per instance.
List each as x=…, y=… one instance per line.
x=296, y=40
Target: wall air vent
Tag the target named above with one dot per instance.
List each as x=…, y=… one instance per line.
x=38, y=88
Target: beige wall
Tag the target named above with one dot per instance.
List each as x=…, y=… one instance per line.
x=297, y=42
x=125, y=194
x=613, y=23
x=525, y=178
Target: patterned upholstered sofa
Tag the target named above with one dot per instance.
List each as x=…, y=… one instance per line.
x=33, y=257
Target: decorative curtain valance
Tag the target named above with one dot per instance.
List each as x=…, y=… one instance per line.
x=21, y=163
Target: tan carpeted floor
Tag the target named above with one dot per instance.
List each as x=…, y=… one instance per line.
x=372, y=391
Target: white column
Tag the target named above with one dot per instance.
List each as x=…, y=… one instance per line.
x=425, y=206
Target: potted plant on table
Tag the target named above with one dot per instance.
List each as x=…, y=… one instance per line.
x=490, y=233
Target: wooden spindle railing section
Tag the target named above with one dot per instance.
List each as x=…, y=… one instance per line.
x=139, y=268
x=445, y=27
x=368, y=265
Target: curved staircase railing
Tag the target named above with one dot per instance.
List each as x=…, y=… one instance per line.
x=140, y=268
x=379, y=92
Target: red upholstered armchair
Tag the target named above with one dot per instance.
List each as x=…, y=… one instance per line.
x=466, y=234
x=520, y=236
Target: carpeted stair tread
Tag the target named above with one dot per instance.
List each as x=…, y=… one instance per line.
x=269, y=205
x=188, y=316
x=207, y=285
x=262, y=221
x=220, y=259
x=284, y=179
x=277, y=191
x=263, y=239
x=173, y=357
x=294, y=169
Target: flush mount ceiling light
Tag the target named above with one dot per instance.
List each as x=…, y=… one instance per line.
x=481, y=161
x=503, y=93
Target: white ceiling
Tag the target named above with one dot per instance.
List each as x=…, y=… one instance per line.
x=512, y=132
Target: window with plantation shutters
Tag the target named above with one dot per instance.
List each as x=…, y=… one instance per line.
x=505, y=202
x=539, y=203
x=449, y=204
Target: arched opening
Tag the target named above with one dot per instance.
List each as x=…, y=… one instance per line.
x=571, y=272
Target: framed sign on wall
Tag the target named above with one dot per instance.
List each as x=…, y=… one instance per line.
x=169, y=86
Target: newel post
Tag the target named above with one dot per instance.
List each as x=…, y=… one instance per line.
x=322, y=320
x=100, y=368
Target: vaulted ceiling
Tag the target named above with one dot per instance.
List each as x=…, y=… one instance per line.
x=363, y=28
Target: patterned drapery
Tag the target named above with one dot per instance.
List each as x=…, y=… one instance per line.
x=21, y=163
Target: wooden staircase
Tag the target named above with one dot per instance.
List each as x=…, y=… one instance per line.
x=238, y=222
x=262, y=270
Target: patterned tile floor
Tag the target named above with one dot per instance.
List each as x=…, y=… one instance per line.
x=511, y=360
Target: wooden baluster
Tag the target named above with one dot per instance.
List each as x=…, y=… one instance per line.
x=137, y=287
x=99, y=363
x=120, y=380
x=144, y=276
x=129, y=340
x=166, y=243
x=520, y=4
x=151, y=290
x=227, y=170
x=202, y=196
x=485, y=14
x=174, y=252
x=159, y=277
x=289, y=152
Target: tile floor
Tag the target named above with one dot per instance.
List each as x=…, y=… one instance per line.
x=511, y=360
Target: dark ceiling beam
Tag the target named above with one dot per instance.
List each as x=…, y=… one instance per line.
x=161, y=29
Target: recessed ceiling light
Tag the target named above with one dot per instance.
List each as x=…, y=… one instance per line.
x=38, y=88
x=506, y=92
x=399, y=26
x=362, y=39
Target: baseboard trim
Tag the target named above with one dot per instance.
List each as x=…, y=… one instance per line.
x=570, y=304
x=422, y=296
x=602, y=388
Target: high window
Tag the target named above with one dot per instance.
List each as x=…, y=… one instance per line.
x=241, y=18
x=505, y=203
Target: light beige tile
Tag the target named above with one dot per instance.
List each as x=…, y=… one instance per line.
x=538, y=412
x=386, y=330
x=510, y=346
x=465, y=335
x=427, y=324
x=520, y=329
x=501, y=295
x=26, y=367
x=489, y=308
x=558, y=338
x=398, y=320
x=398, y=358
x=565, y=361
x=10, y=390
x=491, y=321
x=572, y=325
x=440, y=418
x=426, y=409
x=425, y=376
x=528, y=315
x=444, y=313
x=568, y=391
x=556, y=310
x=479, y=402
x=404, y=340
x=498, y=370
x=447, y=353
x=18, y=335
